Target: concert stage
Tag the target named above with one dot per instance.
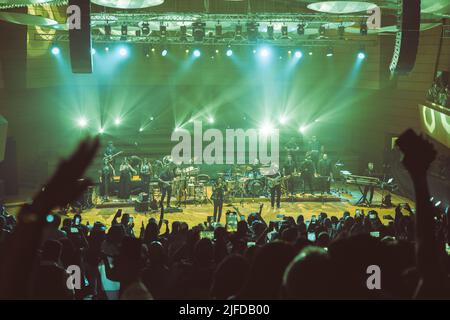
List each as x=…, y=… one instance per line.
x=194, y=214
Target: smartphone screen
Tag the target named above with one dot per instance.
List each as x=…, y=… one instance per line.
x=312, y=236
x=251, y=244
x=207, y=235
x=232, y=222
x=74, y=230
x=375, y=234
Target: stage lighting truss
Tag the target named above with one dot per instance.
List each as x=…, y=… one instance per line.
x=217, y=29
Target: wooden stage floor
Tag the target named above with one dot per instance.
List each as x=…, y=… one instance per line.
x=197, y=214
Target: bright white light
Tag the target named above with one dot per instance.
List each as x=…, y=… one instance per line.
x=298, y=54
x=117, y=121
x=229, y=53
x=151, y=118
x=266, y=129
x=106, y=49
x=55, y=51
x=197, y=53
x=264, y=53
x=302, y=129
x=164, y=53
x=141, y=129
x=283, y=119
x=101, y=130
x=210, y=119
x=123, y=52
x=82, y=122
x=93, y=51
x=361, y=55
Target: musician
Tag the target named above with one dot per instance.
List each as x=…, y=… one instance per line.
x=325, y=171
x=369, y=190
x=165, y=182
x=290, y=168
x=145, y=174
x=274, y=184
x=110, y=151
x=217, y=196
x=314, y=149
x=106, y=177
x=308, y=170
x=292, y=148
x=126, y=172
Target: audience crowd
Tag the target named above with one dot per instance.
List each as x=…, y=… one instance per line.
x=327, y=257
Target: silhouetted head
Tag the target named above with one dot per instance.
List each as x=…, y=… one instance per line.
x=309, y=275
x=203, y=252
x=229, y=277
x=51, y=251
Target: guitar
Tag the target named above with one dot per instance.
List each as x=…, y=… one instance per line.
x=274, y=182
x=110, y=157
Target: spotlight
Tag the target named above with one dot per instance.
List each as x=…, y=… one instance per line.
x=162, y=31
x=310, y=53
x=183, y=33
x=141, y=129
x=270, y=33
x=198, y=30
x=229, y=53
x=298, y=54
x=302, y=129
x=218, y=30
x=93, y=51
x=151, y=118
x=252, y=31
x=50, y=218
x=266, y=129
x=284, y=32
x=283, y=119
x=210, y=119
x=300, y=29
x=82, y=122
x=145, y=29
x=264, y=52
x=164, y=52
x=361, y=54
x=55, y=50
x=197, y=53
x=330, y=52
x=363, y=29
x=117, y=121
x=107, y=49
x=123, y=52
x=101, y=130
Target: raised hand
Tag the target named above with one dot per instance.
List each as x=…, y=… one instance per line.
x=66, y=184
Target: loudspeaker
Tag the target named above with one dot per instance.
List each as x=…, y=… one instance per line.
x=3, y=133
x=79, y=23
x=407, y=38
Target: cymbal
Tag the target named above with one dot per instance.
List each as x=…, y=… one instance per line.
x=128, y=4
x=27, y=19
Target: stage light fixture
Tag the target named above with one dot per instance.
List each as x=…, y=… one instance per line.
x=145, y=28
x=310, y=53
x=270, y=32
x=123, y=51
x=141, y=129
x=266, y=129
x=238, y=32
x=164, y=52
x=298, y=54
x=283, y=119
x=361, y=55
x=82, y=122
x=252, y=31
x=341, y=32
x=330, y=52
x=50, y=218
x=162, y=31
x=197, y=53
x=322, y=30
x=218, y=30
x=151, y=118
x=124, y=32
x=300, y=29
x=210, y=119
x=229, y=53
x=302, y=129
x=101, y=130
x=117, y=121
x=198, y=30
x=284, y=32
x=183, y=33
x=107, y=49
x=363, y=29
x=264, y=52
x=55, y=50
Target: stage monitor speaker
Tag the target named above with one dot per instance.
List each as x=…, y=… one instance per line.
x=3, y=133
x=79, y=23
x=407, y=38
